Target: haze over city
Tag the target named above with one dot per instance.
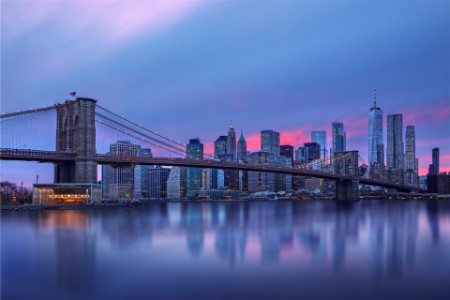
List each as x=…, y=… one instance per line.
x=191, y=68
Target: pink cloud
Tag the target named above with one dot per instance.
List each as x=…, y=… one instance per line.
x=88, y=31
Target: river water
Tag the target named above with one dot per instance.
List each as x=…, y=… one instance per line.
x=230, y=250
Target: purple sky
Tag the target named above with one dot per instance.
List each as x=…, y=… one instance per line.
x=190, y=68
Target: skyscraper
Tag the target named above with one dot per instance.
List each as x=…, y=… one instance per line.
x=395, y=152
x=411, y=160
x=312, y=152
x=375, y=134
x=231, y=142
x=287, y=151
x=118, y=182
x=220, y=146
x=270, y=142
x=339, y=137
x=434, y=167
x=320, y=137
x=261, y=181
x=194, y=151
x=300, y=154
x=242, y=148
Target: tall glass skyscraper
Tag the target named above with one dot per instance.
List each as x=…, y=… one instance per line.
x=395, y=154
x=270, y=142
x=411, y=160
x=194, y=151
x=339, y=137
x=231, y=142
x=375, y=131
x=320, y=137
x=220, y=146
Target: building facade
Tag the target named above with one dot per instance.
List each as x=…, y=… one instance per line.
x=231, y=142
x=395, y=149
x=261, y=181
x=220, y=146
x=270, y=142
x=194, y=151
x=312, y=152
x=339, y=137
x=242, y=149
x=412, y=162
x=118, y=182
x=375, y=134
x=320, y=137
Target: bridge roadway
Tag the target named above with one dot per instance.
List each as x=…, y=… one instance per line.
x=105, y=159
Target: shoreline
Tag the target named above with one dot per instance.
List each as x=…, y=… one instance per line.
x=36, y=207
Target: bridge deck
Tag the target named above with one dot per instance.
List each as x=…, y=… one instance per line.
x=104, y=159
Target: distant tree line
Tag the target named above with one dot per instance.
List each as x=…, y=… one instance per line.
x=10, y=193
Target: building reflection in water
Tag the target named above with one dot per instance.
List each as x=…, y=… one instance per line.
x=377, y=236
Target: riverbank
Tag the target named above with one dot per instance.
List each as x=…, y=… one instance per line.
x=31, y=207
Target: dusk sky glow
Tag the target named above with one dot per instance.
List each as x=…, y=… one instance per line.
x=189, y=69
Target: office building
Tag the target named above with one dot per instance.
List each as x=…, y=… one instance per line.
x=261, y=181
x=194, y=151
x=220, y=146
x=434, y=166
x=312, y=152
x=339, y=137
x=411, y=159
x=375, y=134
x=270, y=142
x=395, y=153
x=287, y=151
x=231, y=142
x=118, y=182
x=300, y=155
x=176, y=183
x=320, y=137
x=242, y=149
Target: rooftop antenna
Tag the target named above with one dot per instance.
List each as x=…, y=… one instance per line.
x=375, y=98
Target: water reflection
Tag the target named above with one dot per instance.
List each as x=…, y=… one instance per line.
x=83, y=254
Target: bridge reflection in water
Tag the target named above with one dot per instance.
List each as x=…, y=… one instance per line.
x=321, y=249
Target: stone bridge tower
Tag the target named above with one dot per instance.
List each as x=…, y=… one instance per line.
x=75, y=132
x=346, y=163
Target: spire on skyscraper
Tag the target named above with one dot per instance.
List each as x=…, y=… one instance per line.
x=375, y=98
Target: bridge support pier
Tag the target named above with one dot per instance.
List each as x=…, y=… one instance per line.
x=346, y=163
x=347, y=190
x=75, y=132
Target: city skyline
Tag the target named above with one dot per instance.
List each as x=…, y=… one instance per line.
x=283, y=77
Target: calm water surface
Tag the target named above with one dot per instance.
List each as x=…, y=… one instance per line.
x=291, y=250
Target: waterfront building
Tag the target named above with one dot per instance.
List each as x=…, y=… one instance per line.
x=118, y=182
x=395, y=153
x=412, y=162
x=151, y=182
x=176, y=183
x=261, y=181
x=270, y=142
x=439, y=183
x=339, y=137
x=231, y=142
x=242, y=149
x=220, y=146
x=320, y=137
x=312, y=152
x=375, y=134
x=194, y=151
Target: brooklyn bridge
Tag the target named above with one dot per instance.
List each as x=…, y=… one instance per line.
x=72, y=135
